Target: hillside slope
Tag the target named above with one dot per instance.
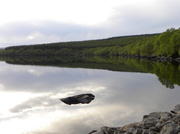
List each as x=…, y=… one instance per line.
x=166, y=44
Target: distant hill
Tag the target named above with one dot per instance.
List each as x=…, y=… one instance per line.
x=166, y=44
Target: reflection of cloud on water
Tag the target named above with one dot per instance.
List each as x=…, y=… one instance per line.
x=80, y=89
x=58, y=118
x=53, y=119
x=81, y=119
x=1, y=87
x=90, y=88
x=10, y=99
x=33, y=99
x=45, y=79
x=35, y=103
x=81, y=123
x=35, y=72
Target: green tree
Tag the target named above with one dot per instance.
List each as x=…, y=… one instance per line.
x=175, y=43
x=165, y=45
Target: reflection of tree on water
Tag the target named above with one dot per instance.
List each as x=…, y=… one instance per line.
x=168, y=73
x=166, y=82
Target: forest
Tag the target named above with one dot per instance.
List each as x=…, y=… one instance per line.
x=166, y=44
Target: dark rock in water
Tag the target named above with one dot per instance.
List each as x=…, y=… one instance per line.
x=77, y=99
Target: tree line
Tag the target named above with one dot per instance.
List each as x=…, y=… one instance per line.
x=165, y=44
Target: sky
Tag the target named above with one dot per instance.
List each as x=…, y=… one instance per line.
x=25, y=22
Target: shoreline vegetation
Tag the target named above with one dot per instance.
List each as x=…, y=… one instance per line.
x=157, y=47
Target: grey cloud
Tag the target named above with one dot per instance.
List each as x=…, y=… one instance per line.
x=142, y=19
x=49, y=31
x=46, y=27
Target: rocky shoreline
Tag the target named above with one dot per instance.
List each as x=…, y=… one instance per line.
x=153, y=123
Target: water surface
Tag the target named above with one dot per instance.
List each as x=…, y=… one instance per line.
x=29, y=98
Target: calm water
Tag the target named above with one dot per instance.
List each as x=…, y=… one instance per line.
x=29, y=99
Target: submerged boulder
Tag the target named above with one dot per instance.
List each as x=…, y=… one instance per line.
x=77, y=99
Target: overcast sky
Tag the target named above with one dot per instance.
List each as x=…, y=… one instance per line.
x=44, y=21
